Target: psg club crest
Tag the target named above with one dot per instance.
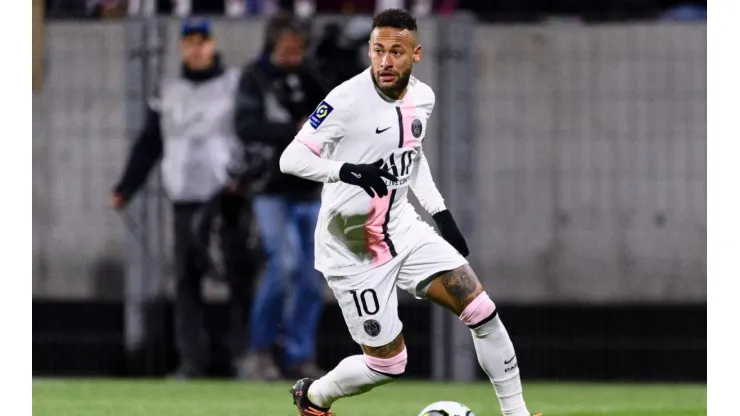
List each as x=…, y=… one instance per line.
x=416, y=128
x=372, y=327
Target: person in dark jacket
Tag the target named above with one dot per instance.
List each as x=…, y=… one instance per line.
x=276, y=96
x=339, y=52
x=189, y=126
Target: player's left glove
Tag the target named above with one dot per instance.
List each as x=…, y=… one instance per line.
x=450, y=232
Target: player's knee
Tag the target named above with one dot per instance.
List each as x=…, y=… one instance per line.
x=392, y=367
x=479, y=311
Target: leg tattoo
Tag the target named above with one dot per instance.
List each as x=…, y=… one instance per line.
x=455, y=289
x=389, y=350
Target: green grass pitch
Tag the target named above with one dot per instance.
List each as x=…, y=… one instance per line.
x=52, y=397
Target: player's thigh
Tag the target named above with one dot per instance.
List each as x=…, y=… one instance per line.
x=431, y=258
x=369, y=304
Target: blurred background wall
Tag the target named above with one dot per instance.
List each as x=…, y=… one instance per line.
x=574, y=153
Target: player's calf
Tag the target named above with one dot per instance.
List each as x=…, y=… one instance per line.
x=358, y=374
x=460, y=291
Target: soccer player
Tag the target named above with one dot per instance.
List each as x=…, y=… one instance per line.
x=364, y=142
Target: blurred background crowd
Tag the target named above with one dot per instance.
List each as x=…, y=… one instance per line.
x=493, y=10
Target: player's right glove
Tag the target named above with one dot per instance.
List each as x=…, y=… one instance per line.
x=367, y=176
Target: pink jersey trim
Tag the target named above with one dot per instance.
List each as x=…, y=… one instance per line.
x=408, y=114
x=394, y=365
x=375, y=235
x=310, y=144
x=479, y=309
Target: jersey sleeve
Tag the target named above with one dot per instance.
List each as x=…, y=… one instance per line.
x=423, y=186
x=327, y=125
x=422, y=183
x=299, y=160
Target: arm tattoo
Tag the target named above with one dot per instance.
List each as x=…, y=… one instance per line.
x=389, y=350
x=462, y=285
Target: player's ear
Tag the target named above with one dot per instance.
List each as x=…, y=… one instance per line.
x=417, y=54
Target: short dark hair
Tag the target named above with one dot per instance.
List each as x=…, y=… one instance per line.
x=395, y=18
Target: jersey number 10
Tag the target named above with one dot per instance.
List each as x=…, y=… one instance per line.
x=363, y=297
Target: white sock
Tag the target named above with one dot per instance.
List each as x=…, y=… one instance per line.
x=355, y=375
x=496, y=354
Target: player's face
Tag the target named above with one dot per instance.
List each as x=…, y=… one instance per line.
x=288, y=51
x=197, y=52
x=393, y=53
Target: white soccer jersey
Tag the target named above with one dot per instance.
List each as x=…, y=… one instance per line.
x=356, y=124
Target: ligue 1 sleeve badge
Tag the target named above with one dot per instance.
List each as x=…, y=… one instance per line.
x=320, y=114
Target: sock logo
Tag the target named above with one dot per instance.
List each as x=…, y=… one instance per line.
x=513, y=367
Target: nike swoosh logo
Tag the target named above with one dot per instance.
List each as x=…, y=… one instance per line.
x=357, y=175
x=378, y=131
x=510, y=360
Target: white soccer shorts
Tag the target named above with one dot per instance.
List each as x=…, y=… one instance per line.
x=368, y=300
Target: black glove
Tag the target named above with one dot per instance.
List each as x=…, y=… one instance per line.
x=450, y=232
x=367, y=177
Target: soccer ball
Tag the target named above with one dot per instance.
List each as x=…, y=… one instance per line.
x=446, y=409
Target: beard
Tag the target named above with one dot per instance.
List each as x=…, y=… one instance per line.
x=395, y=90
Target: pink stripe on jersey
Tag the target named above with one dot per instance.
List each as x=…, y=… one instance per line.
x=479, y=309
x=394, y=365
x=375, y=235
x=311, y=144
x=408, y=114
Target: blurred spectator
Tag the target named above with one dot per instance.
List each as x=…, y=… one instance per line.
x=64, y=8
x=446, y=6
x=264, y=7
x=190, y=126
x=108, y=9
x=367, y=7
x=276, y=96
x=345, y=6
x=184, y=8
x=686, y=12
x=339, y=52
x=198, y=7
